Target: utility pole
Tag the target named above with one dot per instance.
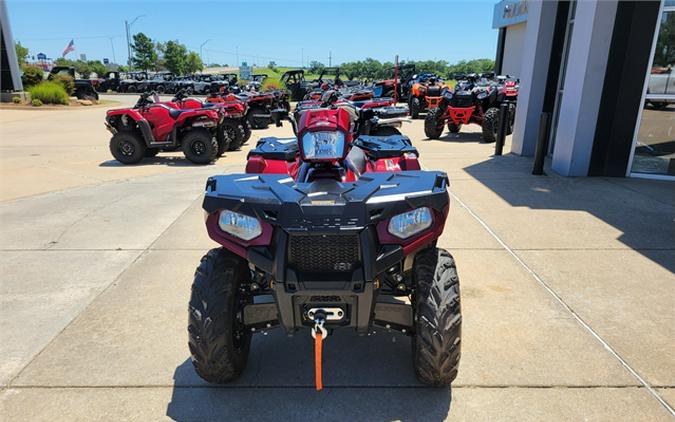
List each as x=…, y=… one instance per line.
x=330, y=59
x=128, y=29
x=201, y=56
x=112, y=45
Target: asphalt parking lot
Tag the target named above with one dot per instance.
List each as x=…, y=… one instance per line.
x=567, y=293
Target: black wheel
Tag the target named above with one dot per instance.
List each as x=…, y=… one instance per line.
x=200, y=146
x=151, y=152
x=454, y=127
x=433, y=123
x=219, y=344
x=258, y=122
x=127, y=147
x=235, y=132
x=438, y=318
x=490, y=124
x=414, y=106
x=189, y=90
x=160, y=89
x=247, y=129
x=386, y=131
x=224, y=140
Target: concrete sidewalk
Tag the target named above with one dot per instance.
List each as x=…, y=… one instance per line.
x=567, y=290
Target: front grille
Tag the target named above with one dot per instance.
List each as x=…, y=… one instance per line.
x=323, y=253
x=460, y=100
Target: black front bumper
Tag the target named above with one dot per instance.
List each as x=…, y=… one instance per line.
x=325, y=248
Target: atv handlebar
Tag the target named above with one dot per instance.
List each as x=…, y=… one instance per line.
x=280, y=114
x=145, y=100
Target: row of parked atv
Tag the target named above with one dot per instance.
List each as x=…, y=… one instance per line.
x=475, y=98
x=203, y=130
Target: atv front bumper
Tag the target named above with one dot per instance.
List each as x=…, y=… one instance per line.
x=325, y=245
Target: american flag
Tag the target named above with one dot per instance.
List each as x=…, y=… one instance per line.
x=70, y=47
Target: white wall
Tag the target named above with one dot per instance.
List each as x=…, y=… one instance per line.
x=536, y=52
x=513, y=49
x=584, y=79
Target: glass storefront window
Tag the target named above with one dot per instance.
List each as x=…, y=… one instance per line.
x=655, y=147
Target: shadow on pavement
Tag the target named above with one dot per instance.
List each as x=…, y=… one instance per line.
x=156, y=161
x=461, y=137
x=642, y=210
x=365, y=378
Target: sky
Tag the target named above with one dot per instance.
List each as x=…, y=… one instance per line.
x=286, y=32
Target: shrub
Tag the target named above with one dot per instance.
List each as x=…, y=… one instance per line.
x=271, y=83
x=49, y=92
x=32, y=75
x=66, y=81
x=16, y=100
x=36, y=102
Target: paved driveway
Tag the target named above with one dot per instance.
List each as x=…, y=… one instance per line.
x=567, y=289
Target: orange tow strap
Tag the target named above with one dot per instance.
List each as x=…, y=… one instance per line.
x=317, y=361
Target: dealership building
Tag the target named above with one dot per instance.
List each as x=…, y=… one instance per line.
x=597, y=88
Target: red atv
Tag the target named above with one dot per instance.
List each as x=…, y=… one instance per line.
x=233, y=131
x=150, y=127
x=373, y=116
x=472, y=102
x=326, y=232
x=260, y=106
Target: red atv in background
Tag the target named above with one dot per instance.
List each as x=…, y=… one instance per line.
x=327, y=231
x=372, y=116
x=234, y=129
x=473, y=101
x=260, y=106
x=150, y=127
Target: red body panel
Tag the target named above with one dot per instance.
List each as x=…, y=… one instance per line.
x=257, y=164
x=461, y=115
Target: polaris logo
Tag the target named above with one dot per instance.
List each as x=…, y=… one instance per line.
x=342, y=266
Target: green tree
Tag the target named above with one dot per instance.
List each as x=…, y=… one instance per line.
x=21, y=53
x=144, y=54
x=193, y=63
x=32, y=75
x=175, y=57
x=97, y=67
x=664, y=55
x=315, y=66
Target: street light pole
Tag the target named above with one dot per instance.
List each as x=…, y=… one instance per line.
x=201, y=56
x=128, y=30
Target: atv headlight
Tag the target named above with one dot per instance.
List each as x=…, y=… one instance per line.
x=239, y=225
x=323, y=145
x=410, y=223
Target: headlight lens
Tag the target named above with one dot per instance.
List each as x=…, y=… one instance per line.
x=239, y=225
x=323, y=145
x=410, y=223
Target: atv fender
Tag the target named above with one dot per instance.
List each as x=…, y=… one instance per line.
x=188, y=117
x=143, y=125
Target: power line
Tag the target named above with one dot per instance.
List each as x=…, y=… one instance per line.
x=251, y=55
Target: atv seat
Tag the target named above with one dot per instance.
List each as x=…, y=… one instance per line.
x=174, y=112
